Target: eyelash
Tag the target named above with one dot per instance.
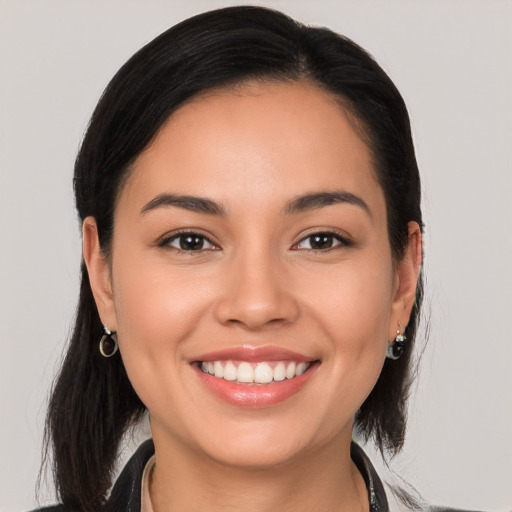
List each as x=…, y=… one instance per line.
x=202, y=239
x=167, y=242
x=335, y=237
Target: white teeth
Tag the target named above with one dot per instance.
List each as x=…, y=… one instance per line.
x=279, y=372
x=290, y=371
x=263, y=374
x=230, y=371
x=218, y=369
x=245, y=373
x=259, y=373
x=301, y=368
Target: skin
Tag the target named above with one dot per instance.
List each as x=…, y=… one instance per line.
x=253, y=150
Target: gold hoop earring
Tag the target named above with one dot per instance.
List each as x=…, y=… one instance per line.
x=108, y=342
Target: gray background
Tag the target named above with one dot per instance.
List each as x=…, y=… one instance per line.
x=452, y=62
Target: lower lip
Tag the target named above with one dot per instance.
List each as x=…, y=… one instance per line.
x=255, y=396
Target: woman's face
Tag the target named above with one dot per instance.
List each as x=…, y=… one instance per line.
x=251, y=241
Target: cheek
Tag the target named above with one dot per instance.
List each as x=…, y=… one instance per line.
x=157, y=311
x=156, y=304
x=353, y=308
x=354, y=302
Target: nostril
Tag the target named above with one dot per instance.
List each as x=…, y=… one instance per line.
x=256, y=323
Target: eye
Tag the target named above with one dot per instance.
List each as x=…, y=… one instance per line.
x=191, y=242
x=321, y=242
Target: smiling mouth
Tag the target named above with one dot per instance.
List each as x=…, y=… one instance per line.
x=264, y=372
x=255, y=378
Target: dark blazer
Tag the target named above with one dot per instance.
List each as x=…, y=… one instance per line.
x=126, y=493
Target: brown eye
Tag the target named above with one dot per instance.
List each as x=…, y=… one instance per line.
x=190, y=242
x=321, y=242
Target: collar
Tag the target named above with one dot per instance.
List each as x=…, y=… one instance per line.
x=376, y=492
x=126, y=493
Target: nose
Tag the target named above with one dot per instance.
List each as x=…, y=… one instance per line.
x=257, y=294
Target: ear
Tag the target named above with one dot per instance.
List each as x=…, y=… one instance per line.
x=99, y=273
x=407, y=273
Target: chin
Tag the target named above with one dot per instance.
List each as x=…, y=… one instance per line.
x=254, y=456
x=264, y=444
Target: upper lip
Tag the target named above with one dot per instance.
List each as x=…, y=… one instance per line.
x=253, y=354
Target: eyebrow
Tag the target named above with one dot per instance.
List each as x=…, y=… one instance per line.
x=297, y=205
x=192, y=203
x=322, y=199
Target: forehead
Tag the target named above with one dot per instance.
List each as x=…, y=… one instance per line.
x=255, y=140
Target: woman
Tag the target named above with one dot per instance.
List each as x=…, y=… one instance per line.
x=251, y=217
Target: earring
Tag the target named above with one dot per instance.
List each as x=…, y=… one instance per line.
x=396, y=348
x=108, y=342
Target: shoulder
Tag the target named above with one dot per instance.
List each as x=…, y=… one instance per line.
x=448, y=509
x=396, y=506
x=126, y=493
x=402, y=508
x=53, y=508
x=395, y=498
x=404, y=502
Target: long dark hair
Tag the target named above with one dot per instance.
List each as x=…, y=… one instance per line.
x=93, y=402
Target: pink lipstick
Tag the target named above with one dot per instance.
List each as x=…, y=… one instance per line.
x=254, y=377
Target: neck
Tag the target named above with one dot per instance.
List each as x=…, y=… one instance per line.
x=325, y=480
